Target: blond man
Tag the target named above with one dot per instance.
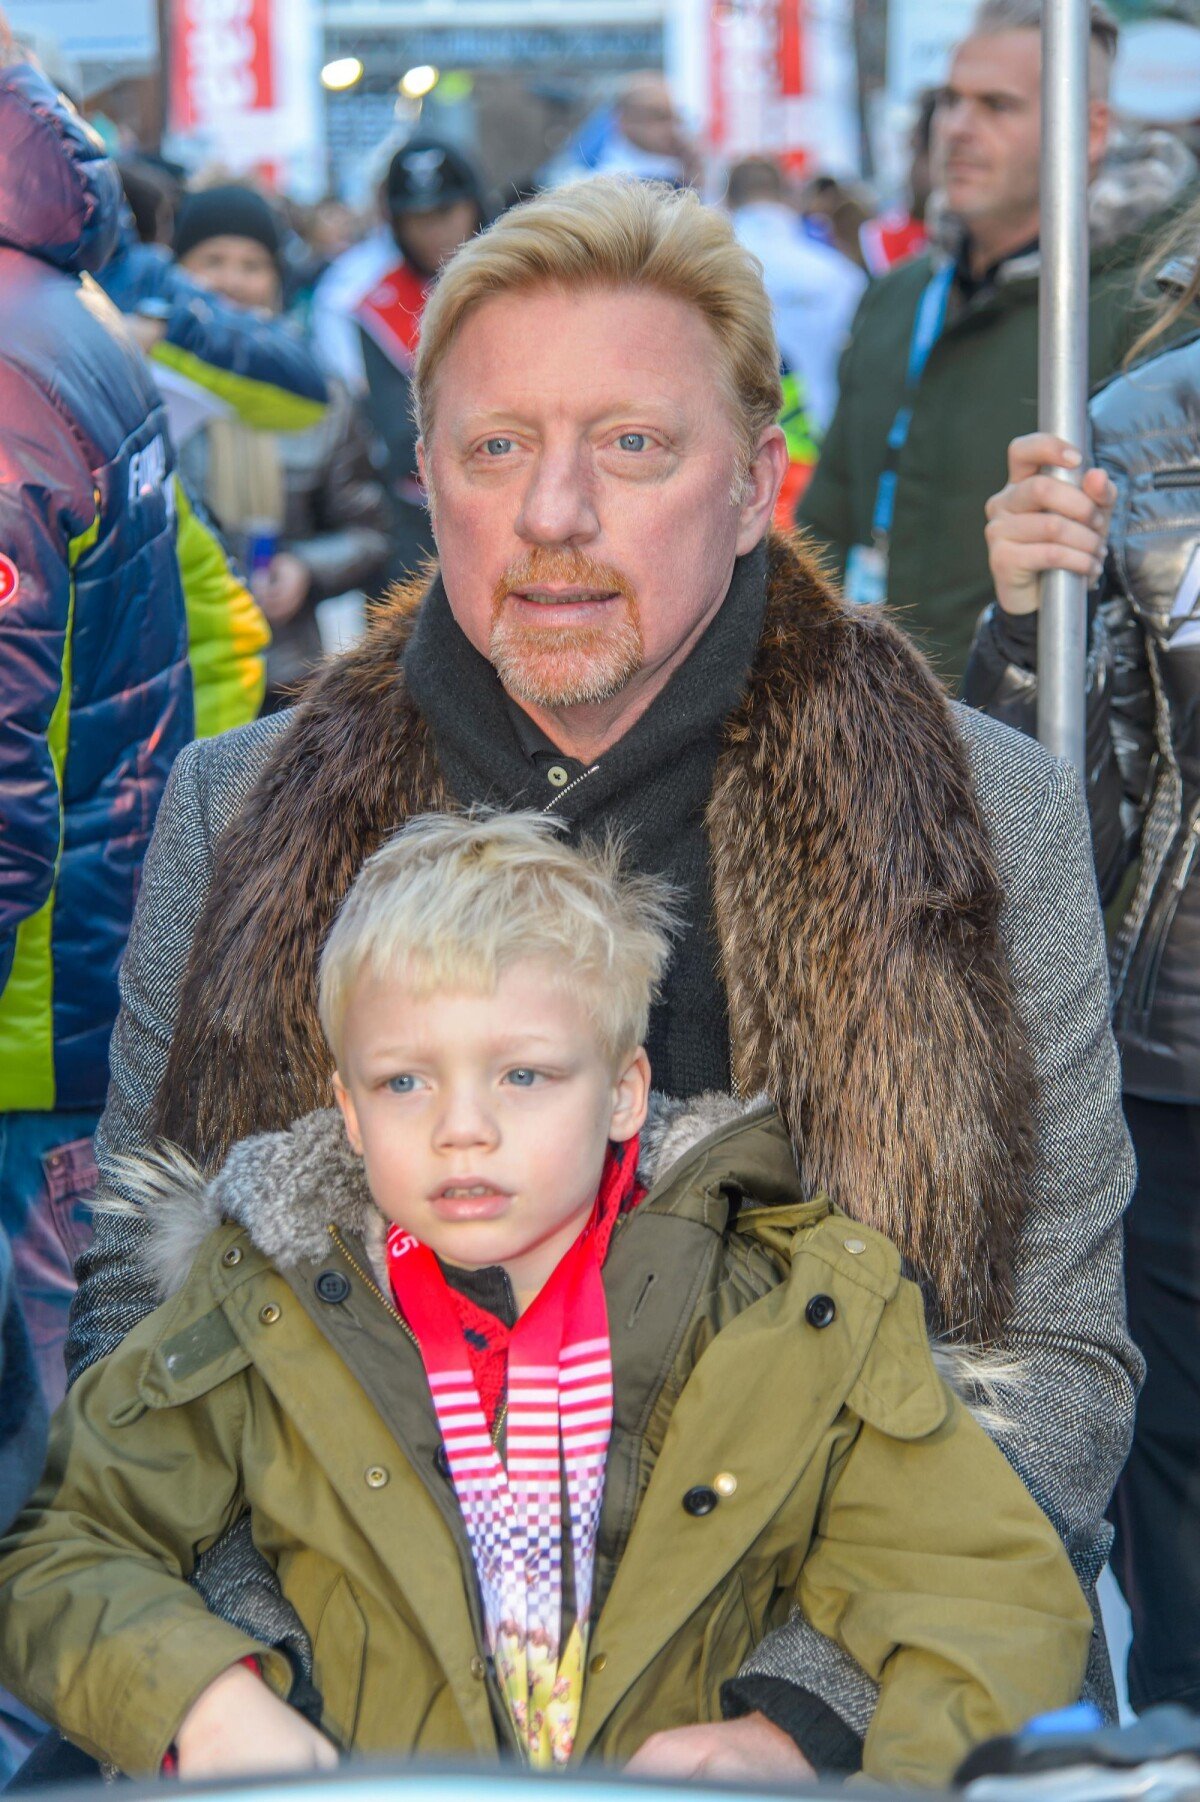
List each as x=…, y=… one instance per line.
x=890, y=919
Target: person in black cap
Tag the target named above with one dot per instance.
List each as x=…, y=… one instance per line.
x=228, y=239
x=434, y=203
x=309, y=503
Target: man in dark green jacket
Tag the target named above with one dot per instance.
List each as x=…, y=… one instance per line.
x=950, y=339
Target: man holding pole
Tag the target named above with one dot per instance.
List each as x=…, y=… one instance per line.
x=942, y=368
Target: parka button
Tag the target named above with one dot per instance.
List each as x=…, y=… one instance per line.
x=376, y=1476
x=269, y=1315
x=599, y=1663
x=820, y=1311
x=232, y=1256
x=725, y=1483
x=441, y=1459
x=701, y=1500
x=332, y=1286
x=855, y=1247
x=478, y=1668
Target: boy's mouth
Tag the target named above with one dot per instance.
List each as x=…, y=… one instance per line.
x=469, y=1200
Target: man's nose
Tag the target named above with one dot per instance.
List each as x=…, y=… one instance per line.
x=558, y=506
x=957, y=120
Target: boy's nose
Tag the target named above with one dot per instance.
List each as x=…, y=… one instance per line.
x=465, y=1120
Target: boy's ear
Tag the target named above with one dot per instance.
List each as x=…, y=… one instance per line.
x=631, y=1101
x=349, y=1116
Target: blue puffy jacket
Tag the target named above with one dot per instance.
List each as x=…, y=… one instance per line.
x=95, y=693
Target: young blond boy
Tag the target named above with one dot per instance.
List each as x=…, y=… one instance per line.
x=546, y=1405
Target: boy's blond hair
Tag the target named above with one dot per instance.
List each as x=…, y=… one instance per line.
x=455, y=899
x=611, y=233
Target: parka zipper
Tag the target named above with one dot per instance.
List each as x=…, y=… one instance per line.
x=369, y=1283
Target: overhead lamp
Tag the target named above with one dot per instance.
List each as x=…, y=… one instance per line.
x=342, y=73
x=416, y=83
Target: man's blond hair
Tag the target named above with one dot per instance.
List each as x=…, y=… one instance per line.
x=453, y=900
x=612, y=233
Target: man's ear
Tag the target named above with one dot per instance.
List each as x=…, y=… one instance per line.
x=349, y=1115
x=631, y=1098
x=1099, y=125
x=423, y=476
x=764, y=479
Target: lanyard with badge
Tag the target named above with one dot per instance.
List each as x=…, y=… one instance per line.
x=867, y=564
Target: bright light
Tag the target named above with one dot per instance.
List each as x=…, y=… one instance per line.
x=419, y=81
x=342, y=73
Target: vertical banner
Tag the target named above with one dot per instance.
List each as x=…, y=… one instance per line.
x=222, y=62
x=769, y=78
x=244, y=89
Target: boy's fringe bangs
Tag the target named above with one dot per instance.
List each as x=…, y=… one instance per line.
x=455, y=900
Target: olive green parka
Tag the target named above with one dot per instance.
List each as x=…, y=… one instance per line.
x=766, y=1350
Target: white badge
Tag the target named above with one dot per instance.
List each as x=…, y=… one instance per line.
x=866, y=575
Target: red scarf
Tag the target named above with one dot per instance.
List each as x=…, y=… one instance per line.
x=559, y=1396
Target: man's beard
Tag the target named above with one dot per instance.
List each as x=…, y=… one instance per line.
x=564, y=666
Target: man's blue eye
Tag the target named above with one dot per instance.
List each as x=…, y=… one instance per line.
x=402, y=1085
x=633, y=441
x=496, y=447
x=522, y=1079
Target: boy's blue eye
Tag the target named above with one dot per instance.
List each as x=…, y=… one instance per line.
x=402, y=1085
x=522, y=1079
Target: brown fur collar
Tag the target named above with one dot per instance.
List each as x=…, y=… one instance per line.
x=869, y=992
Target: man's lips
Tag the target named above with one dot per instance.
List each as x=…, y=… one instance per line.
x=557, y=597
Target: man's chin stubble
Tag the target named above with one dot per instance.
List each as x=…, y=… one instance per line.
x=536, y=666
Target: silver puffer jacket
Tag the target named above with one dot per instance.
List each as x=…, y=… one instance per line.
x=1143, y=708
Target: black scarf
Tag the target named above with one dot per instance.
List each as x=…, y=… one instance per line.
x=652, y=788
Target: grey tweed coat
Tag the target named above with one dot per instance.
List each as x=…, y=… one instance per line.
x=1069, y=1421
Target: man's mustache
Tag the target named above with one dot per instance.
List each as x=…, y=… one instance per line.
x=560, y=568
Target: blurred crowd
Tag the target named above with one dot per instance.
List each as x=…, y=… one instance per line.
x=212, y=470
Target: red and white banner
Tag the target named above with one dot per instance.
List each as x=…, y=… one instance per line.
x=243, y=88
x=222, y=60
x=768, y=78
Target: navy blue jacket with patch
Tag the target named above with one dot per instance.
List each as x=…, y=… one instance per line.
x=95, y=691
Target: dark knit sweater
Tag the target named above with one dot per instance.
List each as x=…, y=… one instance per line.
x=651, y=787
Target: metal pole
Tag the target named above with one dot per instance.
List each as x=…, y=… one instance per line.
x=1063, y=353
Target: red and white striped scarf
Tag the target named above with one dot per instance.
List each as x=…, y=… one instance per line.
x=559, y=1394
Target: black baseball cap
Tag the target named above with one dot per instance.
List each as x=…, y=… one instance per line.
x=426, y=174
